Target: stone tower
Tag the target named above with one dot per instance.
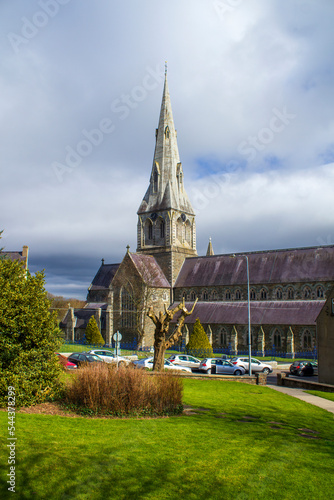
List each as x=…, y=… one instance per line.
x=166, y=220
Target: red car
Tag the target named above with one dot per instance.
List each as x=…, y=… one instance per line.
x=66, y=364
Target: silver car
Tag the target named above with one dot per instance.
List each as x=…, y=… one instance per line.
x=110, y=357
x=256, y=365
x=221, y=366
x=207, y=364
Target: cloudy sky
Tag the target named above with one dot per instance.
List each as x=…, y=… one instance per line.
x=251, y=84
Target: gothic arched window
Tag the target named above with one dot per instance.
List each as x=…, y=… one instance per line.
x=128, y=309
x=187, y=229
x=277, y=339
x=320, y=292
x=155, y=181
x=279, y=293
x=167, y=132
x=162, y=228
x=291, y=293
x=307, y=292
x=148, y=232
x=252, y=294
x=307, y=339
x=237, y=295
x=263, y=294
x=223, y=337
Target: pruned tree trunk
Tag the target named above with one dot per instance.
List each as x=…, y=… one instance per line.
x=162, y=322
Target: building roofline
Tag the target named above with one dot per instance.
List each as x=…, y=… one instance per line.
x=255, y=252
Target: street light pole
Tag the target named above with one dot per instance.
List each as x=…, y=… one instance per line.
x=249, y=322
x=249, y=319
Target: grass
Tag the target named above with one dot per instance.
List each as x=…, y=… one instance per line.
x=229, y=448
x=321, y=394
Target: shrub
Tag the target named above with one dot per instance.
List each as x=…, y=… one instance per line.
x=92, y=333
x=102, y=389
x=199, y=341
x=29, y=337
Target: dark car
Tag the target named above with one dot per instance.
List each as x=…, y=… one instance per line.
x=78, y=358
x=302, y=368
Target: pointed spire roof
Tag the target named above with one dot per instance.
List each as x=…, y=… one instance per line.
x=166, y=190
x=210, y=249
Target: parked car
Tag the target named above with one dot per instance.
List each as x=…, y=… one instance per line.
x=63, y=360
x=219, y=365
x=148, y=364
x=110, y=357
x=79, y=358
x=184, y=360
x=302, y=368
x=256, y=365
x=206, y=365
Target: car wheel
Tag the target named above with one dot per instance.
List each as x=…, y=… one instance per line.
x=266, y=370
x=208, y=371
x=121, y=363
x=237, y=373
x=300, y=373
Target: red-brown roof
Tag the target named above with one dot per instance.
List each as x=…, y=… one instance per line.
x=294, y=312
x=149, y=270
x=273, y=266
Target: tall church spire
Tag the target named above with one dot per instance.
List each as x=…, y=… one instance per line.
x=166, y=220
x=166, y=189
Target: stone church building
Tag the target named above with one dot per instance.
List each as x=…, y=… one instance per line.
x=287, y=288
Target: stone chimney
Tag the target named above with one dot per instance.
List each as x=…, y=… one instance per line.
x=25, y=252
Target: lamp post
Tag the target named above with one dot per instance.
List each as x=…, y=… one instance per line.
x=249, y=319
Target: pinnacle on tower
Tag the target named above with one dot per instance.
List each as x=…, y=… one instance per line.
x=210, y=249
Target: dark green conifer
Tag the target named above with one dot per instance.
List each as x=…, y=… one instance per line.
x=199, y=344
x=92, y=333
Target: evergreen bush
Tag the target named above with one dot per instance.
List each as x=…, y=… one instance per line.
x=92, y=333
x=29, y=337
x=199, y=344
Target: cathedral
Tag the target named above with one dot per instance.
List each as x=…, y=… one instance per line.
x=285, y=289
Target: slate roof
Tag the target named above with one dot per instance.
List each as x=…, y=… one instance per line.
x=150, y=270
x=13, y=256
x=83, y=315
x=272, y=266
x=104, y=276
x=294, y=312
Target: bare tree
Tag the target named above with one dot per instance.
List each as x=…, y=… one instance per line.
x=140, y=290
x=161, y=323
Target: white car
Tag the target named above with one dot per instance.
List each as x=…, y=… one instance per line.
x=148, y=364
x=256, y=365
x=110, y=357
x=185, y=360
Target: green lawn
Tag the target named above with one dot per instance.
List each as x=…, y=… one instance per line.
x=322, y=394
x=243, y=442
